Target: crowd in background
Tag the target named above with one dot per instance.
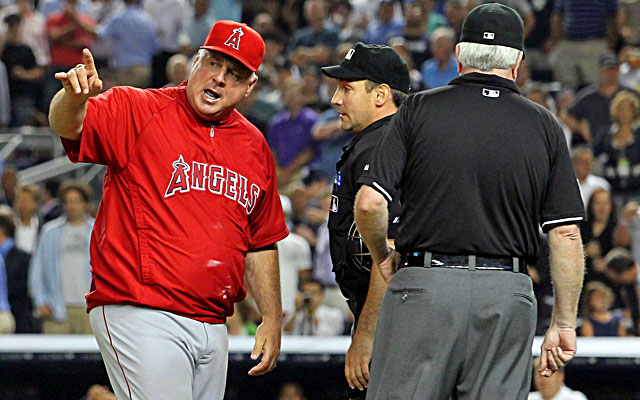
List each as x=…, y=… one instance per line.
x=582, y=63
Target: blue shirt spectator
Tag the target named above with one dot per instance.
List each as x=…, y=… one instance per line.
x=4, y=290
x=330, y=140
x=443, y=67
x=134, y=37
x=380, y=30
x=315, y=43
x=433, y=76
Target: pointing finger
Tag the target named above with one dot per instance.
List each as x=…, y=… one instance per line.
x=88, y=60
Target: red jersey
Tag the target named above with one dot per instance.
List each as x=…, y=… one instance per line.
x=183, y=201
x=63, y=55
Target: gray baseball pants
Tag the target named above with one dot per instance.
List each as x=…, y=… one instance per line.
x=456, y=333
x=157, y=355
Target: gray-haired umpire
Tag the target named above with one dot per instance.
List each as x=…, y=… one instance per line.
x=372, y=83
x=480, y=168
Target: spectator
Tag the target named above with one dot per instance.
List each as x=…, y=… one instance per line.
x=291, y=391
x=5, y=101
x=583, y=164
x=578, y=37
x=443, y=67
x=290, y=134
x=621, y=275
x=98, y=392
x=69, y=31
x=33, y=29
x=59, y=276
x=552, y=387
x=52, y=206
x=434, y=19
x=134, y=41
x=16, y=262
x=177, y=69
x=619, y=150
x=199, y=25
x=383, y=28
x=9, y=184
x=24, y=73
x=597, y=231
x=312, y=317
x=7, y=322
x=598, y=319
x=27, y=222
x=629, y=21
x=172, y=22
x=456, y=11
x=630, y=68
x=343, y=18
x=316, y=42
x=294, y=254
x=329, y=140
x=415, y=36
x=590, y=114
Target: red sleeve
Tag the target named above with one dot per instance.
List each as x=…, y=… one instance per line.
x=266, y=221
x=113, y=122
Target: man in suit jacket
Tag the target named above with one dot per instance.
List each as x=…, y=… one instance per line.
x=17, y=265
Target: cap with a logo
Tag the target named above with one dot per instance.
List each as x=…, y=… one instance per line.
x=238, y=41
x=494, y=24
x=608, y=60
x=380, y=64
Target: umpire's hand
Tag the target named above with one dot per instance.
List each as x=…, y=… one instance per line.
x=558, y=347
x=81, y=81
x=389, y=265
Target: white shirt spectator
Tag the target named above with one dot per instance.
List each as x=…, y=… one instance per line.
x=589, y=185
x=26, y=236
x=329, y=322
x=294, y=255
x=563, y=394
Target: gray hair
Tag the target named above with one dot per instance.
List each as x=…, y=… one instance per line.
x=487, y=57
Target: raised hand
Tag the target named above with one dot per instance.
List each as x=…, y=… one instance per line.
x=81, y=81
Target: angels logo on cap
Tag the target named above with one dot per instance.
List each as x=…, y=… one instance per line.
x=234, y=39
x=225, y=37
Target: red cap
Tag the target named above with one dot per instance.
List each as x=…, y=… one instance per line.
x=238, y=41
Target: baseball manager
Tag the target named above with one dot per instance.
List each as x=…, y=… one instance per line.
x=189, y=211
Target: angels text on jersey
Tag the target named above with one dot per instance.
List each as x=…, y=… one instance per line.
x=214, y=178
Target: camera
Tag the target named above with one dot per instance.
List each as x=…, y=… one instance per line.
x=306, y=300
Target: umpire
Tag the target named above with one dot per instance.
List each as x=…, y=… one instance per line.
x=479, y=167
x=372, y=83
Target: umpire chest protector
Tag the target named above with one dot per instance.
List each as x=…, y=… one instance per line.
x=350, y=257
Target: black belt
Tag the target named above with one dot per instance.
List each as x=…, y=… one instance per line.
x=427, y=259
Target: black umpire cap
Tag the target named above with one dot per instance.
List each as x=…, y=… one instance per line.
x=380, y=64
x=494, y=24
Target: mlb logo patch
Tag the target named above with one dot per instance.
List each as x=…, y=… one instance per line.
x=493, y=93
x=334, y=203
x=489, y=35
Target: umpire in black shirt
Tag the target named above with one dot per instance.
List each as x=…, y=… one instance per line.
x=372, y=83
x=480, y=168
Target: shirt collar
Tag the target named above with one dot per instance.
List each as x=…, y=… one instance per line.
x=477, y=78
x=6, y=246
x=372, y=127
